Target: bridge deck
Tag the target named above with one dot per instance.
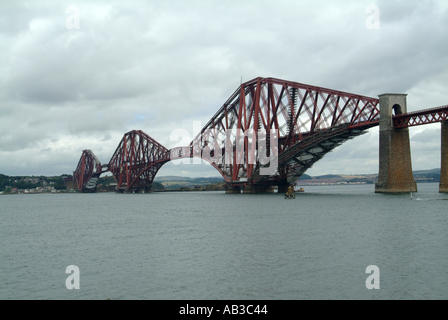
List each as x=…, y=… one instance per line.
x=421, y=117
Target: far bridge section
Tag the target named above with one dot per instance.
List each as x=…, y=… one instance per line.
x=136, y=162
x=88, y=172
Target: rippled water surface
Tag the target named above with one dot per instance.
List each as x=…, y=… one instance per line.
x=209, y=245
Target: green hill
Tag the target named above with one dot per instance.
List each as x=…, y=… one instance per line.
x=330, y=176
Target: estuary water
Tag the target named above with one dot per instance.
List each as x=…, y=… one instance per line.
x=209, y=245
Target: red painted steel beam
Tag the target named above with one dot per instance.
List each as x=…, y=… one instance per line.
x=421, y=117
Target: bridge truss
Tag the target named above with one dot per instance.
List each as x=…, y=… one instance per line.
x=88, y=172
x=297, y=123
x=137, y=160
x=309, y=122
x=420, y=117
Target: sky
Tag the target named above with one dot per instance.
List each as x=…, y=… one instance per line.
x=77, y=75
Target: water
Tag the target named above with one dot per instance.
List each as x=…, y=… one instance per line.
x=209, y=245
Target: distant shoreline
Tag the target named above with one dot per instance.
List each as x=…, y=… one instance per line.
x=189, y=190
x=65, y=183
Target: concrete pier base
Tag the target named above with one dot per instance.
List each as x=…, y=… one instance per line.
x=128, y=191
x=395, y=166
x=233, y=189
x=443, y=186
x=249, y=188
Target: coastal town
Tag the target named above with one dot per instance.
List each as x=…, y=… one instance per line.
x=32, y=184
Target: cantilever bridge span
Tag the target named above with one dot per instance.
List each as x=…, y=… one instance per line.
x=306, y=121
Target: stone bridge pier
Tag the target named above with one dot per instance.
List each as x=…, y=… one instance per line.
x=395, y=166
x=443, y=187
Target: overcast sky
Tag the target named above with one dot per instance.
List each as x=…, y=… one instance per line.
x=158, y=66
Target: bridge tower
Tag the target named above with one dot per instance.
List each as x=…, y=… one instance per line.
x=443, y=187
x=395, y=166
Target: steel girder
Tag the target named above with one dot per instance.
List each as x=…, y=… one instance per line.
x=421, y=117
x=87, y=172
x=137, y=160
x=310, y=121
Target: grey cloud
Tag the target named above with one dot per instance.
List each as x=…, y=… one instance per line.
x=396, y=12
x=159, y=65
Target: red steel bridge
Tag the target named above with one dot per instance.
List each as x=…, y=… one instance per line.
x=306, y=121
